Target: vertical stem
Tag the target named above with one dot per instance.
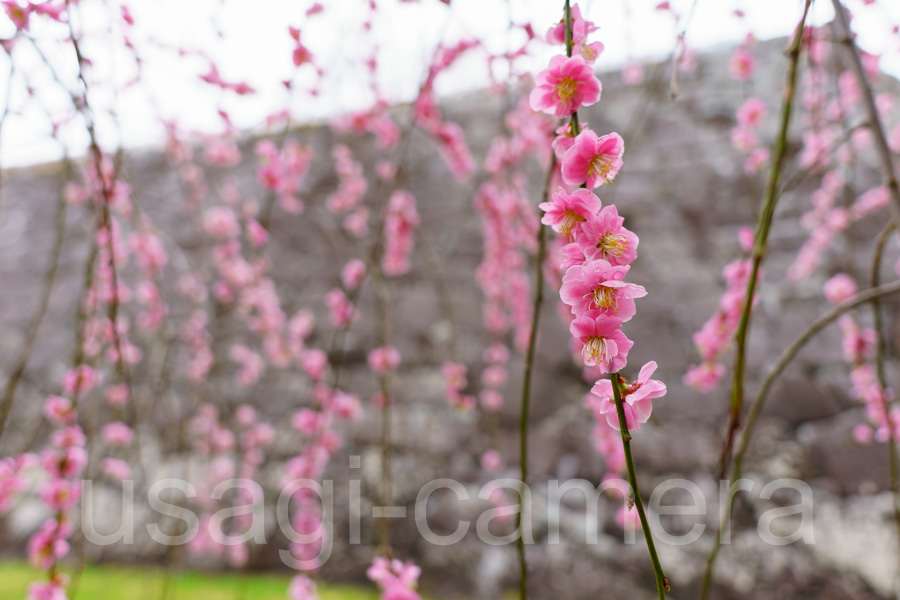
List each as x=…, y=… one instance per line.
x=530, y=352
x=662, y=583
x=381, y=294
x=526, y=388
x=759, y=248
x=875, y=280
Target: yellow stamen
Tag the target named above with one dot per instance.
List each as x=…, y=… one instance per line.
x=596, y=349
x=601, y=166
x=566, y=88
x=569, y=221
x=604, y=297
x=613, y=245
x=588, y=52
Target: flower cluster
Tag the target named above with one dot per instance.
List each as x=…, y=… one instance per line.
x=714, y=338
x=397, y=580
x=597, y=248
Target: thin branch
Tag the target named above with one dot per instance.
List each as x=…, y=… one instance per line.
x=662, y=583
x=875, y=281
x=783, y=360
x=12, y=384
x=881, y=148
x=759, y=249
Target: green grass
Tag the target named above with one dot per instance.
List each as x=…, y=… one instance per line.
x=134, y=583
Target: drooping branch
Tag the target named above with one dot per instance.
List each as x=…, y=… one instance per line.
x=777, y=369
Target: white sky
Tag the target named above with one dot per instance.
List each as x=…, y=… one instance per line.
x=256, y=48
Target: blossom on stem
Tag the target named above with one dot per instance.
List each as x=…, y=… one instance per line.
x=637, y=398
x=397, y=580
x=564, y=87
x=598, y=286
x=602, y=340
x=605, y=238
x=567, y=211
x=593, y=160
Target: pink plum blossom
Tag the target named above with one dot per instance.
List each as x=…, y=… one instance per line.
x=384, y=359
x=742, y=64
x=116, y=469
x=564, y=87
x=637, y=398
x=605, y=238
x=603, y=343
x=117, y=434
x=59, y=410
x=302, y=588
x=598, y=286
x=705, y=377
x=839, y=288
x=567, y=211
x=353, y=274
x=751, y=113
x=593, y=160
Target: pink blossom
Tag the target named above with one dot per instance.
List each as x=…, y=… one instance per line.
x=637, y=398
x=565, y=138
x=79, y=380
x=48, y=544
x=494, y=376
x=633, y=74
x=743, y=139
x=751, y=113
x=598, y=286
x=117, y=434
x=862, y=434
x=47, y=590
x=757, y=159
x=704, y=378
x=60, y=494
x=400, y=224
x=17, y=14
x=742, y=64
x=245, y=415
x=353, y=274
x=346, y=406
x=839, y=288
x=491, y=461
x=455, y=375
x=871, y=201
x=116, y=469
x=491, y=400
x=496, y=354
x=605, y=238
x=384, y=359
x=602, y=340
x=68, y=437
x=221, y=222
x=302, y=588
x=593, y=160
x=564, y=87
x=60, y=410
x=581, y=29
x=309, y=422
x=567, y=211
x=857, y=342
x=342, y=311
x=396, y=579
x=313, y=361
